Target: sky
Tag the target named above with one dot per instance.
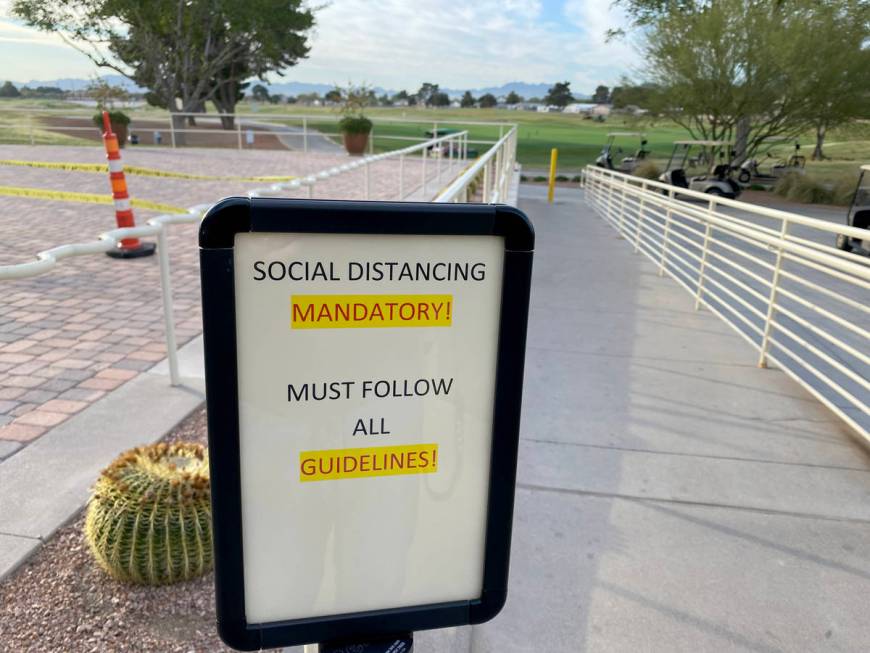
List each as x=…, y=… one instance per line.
x=397, y=44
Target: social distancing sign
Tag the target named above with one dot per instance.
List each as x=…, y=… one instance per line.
x=365, y=387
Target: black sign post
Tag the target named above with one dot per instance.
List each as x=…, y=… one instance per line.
x=274, y=480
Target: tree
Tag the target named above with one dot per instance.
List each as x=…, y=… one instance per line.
x=333, y=96
x=840, y=89
x=559, y=94
x=513, y=98
x=105, y=94
x=747, y=70
x=601, y=95
x=9, y=90
x=646, y=95
x=487, y=101
x=186, y=52
x=467, y=100
x=440, y=99
x=427, y=93
x=260, y=93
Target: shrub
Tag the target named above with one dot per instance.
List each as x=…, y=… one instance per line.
x=540, y=178
x=117, y=118
x=647, y=170
x=562, y=178
x=149, y=518
x=807, y=189
x=355, y=125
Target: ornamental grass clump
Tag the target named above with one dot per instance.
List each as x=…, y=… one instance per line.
x=149, y=518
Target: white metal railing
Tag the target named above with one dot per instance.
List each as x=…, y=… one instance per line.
x=773, y=276
x=493, y=172
x=247, y=126
x=452, y=147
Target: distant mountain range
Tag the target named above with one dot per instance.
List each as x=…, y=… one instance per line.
x=524, y=89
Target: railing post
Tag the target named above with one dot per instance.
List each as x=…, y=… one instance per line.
x=639, y=217
x=172, y=129
x=372, y=141
x=664, y=259
x=440, y=146
x=771, y=300
x=168, y=318
x=368, y=180
x=610, y=185
x=486, y=184
x=239, y=132
x=497, y=180
x=707, y=232
x=401, y=177
x=423, y=184
x=622, y=207
x=305, y=135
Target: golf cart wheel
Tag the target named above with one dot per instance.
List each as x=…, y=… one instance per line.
x=744, y=177
x=714, y=191
x=843, y=243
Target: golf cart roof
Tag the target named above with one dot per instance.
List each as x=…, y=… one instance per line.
x=711, y=143
x=866, y=167
x=625, y=134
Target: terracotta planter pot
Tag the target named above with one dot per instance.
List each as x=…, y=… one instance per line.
x=121, y=132
x=355, y=144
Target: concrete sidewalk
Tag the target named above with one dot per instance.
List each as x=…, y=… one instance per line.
x=673, y=497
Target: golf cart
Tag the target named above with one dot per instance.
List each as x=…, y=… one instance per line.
x=717, y=181
x=629, y=163
x=751, y=170
x=858, y=216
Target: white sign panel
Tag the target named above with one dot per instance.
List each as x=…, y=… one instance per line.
x=366, y=378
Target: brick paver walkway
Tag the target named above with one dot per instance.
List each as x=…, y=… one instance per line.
x=81, y=330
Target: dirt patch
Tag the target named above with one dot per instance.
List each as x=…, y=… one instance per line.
x=206, y=134
x=61, y=601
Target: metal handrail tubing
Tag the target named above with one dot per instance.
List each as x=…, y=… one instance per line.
x=823, y=334
x=819, y=374
x=860, y=331
x=832, y=294
x=818, y=395
x=462, y=181
x=776, y=214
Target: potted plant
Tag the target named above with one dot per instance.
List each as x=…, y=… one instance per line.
x=119, y=120
x=354, y=126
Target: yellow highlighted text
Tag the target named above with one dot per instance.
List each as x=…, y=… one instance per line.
x=363, y=462
x=370, y=311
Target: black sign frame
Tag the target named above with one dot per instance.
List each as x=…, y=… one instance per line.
x=216, y=240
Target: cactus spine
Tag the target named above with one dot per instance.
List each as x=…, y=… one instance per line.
x=149, y=517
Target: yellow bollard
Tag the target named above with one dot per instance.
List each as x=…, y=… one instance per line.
x=551, y=186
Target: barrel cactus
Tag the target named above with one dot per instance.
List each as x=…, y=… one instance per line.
x=149, y=518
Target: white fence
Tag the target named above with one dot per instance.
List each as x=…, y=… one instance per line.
x=444, y=154
x=298, y=131
x=774, y=276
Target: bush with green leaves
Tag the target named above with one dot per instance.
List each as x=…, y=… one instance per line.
x=355, y=125
x=117, y=118
x=149, y=517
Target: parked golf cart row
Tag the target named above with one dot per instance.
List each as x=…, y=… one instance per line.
x=719, y=180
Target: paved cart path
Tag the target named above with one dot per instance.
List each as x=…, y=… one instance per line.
x=673, y=496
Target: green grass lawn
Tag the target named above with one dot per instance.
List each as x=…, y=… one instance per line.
x=578, y=140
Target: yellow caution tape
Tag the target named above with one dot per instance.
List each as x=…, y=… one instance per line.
x=131, y=170
x=89, y=198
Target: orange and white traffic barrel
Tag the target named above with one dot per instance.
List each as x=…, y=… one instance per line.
x=128, y=247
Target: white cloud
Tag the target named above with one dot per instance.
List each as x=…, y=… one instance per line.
x=399, y=44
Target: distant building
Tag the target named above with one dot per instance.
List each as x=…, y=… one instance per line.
x=579, y=107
